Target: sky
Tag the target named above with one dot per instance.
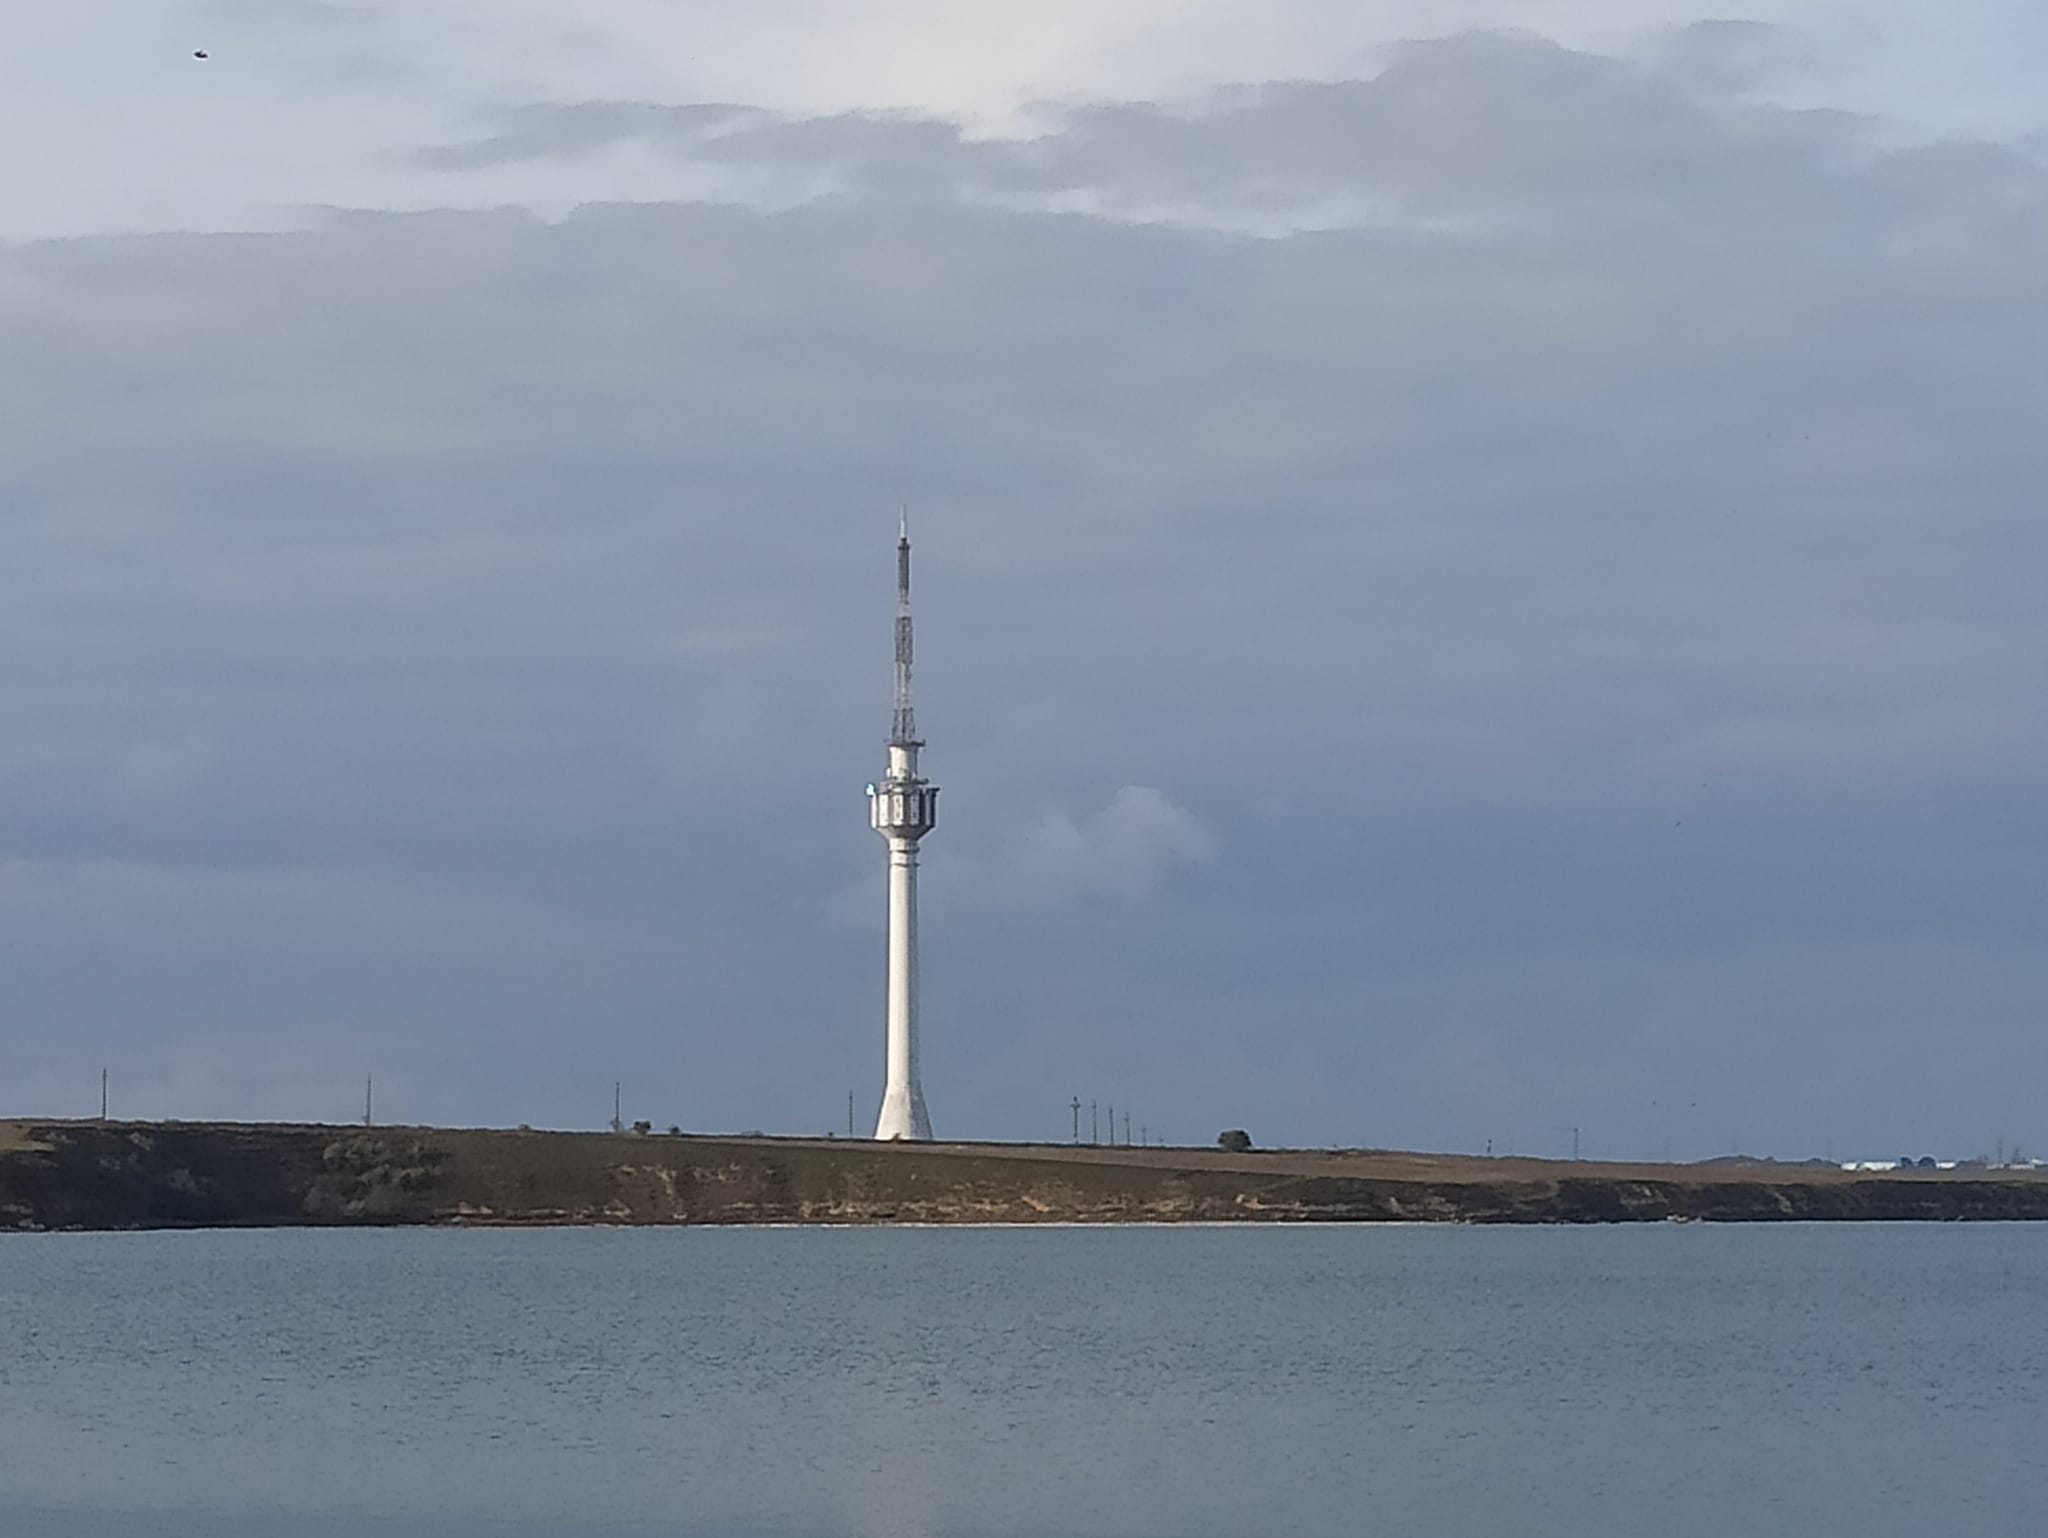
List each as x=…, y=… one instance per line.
x=1478, y=565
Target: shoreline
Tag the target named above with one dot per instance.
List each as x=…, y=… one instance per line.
x=87, y=1176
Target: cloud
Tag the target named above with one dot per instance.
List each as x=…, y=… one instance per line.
x=1599, y=558
x=542, y=130
x=1125, y=850
x=1401, y=148
x=158, y=770
x=308, y=107
x=1737, y=57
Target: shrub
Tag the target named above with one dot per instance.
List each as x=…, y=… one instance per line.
x=1236, y=1140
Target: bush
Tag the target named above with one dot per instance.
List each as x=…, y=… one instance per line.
x=1236, y=1140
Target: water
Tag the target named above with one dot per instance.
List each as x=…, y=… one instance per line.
x=1825, y=1381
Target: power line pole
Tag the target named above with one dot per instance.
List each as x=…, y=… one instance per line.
x=103, y=1094
x=1112, y=1125
x=618, y=1123
x=1077, y=1118
x=849, y=1114
x=368, y=1085
x=1127, y=1129
x=1094, y=1126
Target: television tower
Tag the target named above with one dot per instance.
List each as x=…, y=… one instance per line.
x=903, y=809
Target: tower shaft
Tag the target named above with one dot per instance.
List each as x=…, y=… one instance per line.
x=903, y=1112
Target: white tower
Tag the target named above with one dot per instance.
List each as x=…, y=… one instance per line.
x=903, y=809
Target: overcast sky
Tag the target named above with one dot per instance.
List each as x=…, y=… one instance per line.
x=1471, y=582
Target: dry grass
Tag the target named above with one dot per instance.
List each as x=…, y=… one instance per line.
x=1387, y=1164
x=19, y=1137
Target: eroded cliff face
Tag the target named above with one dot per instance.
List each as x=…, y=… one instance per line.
x=89, y=1175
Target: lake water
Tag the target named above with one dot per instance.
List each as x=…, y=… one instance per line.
x=1824, y=1381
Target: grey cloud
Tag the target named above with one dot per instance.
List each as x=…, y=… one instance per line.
x=1734, y=56
x=581, y=128
x=1596, y=628
x=1481, y=125
x=1126, y=849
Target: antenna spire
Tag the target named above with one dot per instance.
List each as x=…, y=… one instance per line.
x=903, y=722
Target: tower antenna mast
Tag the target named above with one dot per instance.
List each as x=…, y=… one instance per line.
x=903, y=720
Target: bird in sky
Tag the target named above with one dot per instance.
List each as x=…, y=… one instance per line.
x=199, y=53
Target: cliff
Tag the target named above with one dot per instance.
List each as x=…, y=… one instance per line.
x=92, y=1175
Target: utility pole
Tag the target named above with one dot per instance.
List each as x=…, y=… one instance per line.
x=1077, y=1118
x=1144, y=1136
x=849, y=1115
x=368, y=1086
x=103, y=1094
x=1094, y=1126
x=618, y=1123
x=1112, y=1125
x=1127, y=1129
x=1574, y=1131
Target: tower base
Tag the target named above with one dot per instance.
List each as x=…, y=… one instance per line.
x=903, y=1118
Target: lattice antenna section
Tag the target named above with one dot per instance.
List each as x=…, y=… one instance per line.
x=903, y=722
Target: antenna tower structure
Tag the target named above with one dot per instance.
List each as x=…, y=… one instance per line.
x=903, y=808
x=903, y=719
